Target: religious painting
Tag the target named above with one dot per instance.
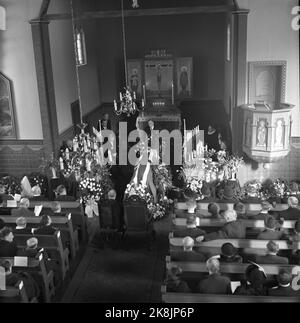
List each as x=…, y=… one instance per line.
x=261, y=133
x=7, y=123
x=135, y=77
x=184, y=73
x=279, y=133
x=159, y=77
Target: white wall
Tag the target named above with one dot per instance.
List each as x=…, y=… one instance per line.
x=271, y=37
x=64, y=70
x=17, y=63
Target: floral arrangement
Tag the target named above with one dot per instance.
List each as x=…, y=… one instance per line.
x=195, y=185
x=90, y=189
x=162, y=178
x=156, y=210
x=37, y=179
x=278, y=188
x=140, y=190
x=252, y=188
x=49, y=164
x=12, y=185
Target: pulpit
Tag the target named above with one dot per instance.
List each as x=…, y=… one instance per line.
x=267, y=121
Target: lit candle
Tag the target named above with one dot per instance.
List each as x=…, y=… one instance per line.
x=144, y=92
x=74, y=144
x=115, y=105
x=67, y=154
x=61, y=163
x=85, y=146
x=134, y=96
x=88, y=165
x=120, y=96
x=143, y=103
x=172, y=93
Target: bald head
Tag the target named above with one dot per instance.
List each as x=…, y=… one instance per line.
x=188, y=243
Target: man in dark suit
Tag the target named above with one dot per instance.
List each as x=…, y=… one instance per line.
x=293, y=212
x=284, y=287
x=264, y=213
x=188, y=254
x=271, y=256
x=45, y=226
x=215, y=283
x=21, y=224
x=271, y=232
x=22, y=211
x=8, y=248
x=191, y=229
x=61, y=194
x=4, y=210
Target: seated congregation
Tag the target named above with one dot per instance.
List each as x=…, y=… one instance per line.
x=228, y=249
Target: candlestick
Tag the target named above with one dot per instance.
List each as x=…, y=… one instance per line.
x=67, y=154
x=85, y=146
x=88, y=165
x=172, y=93
x=61, y=163
x=144, y=93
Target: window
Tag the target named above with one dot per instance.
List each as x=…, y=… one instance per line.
x=228, y=54
x=80, y=47
x=2, y=18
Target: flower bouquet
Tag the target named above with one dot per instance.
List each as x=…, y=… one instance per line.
x=37, y=179
x=12, y=185
x=89, y=189
x=252, y=188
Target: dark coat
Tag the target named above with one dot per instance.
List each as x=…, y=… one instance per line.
x=236, y=259
x=8, y=249
x=249, y=290
x=270, y=235
x=22, y=212
x=22, y=231
x=46, y=230
x=215, y=284
x=188, y=256
x=178, y=286
x=6, y=197
x=290, y=214
x=284, y=291
x=62, y=198
x=5, y=210
x=271, y=259
x=231, y=230
x=39, y=198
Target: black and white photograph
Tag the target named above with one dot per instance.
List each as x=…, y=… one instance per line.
x=149, y=154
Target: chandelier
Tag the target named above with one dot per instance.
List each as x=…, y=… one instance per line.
x=127, y=103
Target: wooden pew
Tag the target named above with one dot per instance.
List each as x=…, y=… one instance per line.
x=255, y=207
x=62, y=222
x=170, y=297
x=73, y=207
x=16, y=294
x=52, y=244
x=37, y=266
x=180, y=223
x=228, y=268
x=248, y=245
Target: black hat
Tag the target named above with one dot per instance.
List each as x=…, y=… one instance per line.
x=228, y=250
x=284, y=277
x=255, y=274
x=297, y=226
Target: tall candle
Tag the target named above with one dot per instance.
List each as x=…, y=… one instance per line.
x=172, y=93
x=120, y=96
x=85, y=146
x=144, y=93
x=143, y=103
x=61, y=163
x=67, y=154
x=88, y=165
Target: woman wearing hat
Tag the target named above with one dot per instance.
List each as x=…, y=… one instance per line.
x=174, y=282
x=230, y=254
x=254, y=283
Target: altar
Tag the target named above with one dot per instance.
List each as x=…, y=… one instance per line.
x=160, y=80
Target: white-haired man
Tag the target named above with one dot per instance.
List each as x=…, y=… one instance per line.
x=23, y=211
x=21, y=224
x=37, y=194
x=215, y=283
x=188, y=253
x=293, y=211
x=233, y=229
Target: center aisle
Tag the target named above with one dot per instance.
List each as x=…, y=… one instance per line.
x=130, y=273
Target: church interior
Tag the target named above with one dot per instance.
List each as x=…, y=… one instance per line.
x=82, y=82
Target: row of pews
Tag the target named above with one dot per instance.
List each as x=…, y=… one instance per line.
x=250, y=246
x=62, y=250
